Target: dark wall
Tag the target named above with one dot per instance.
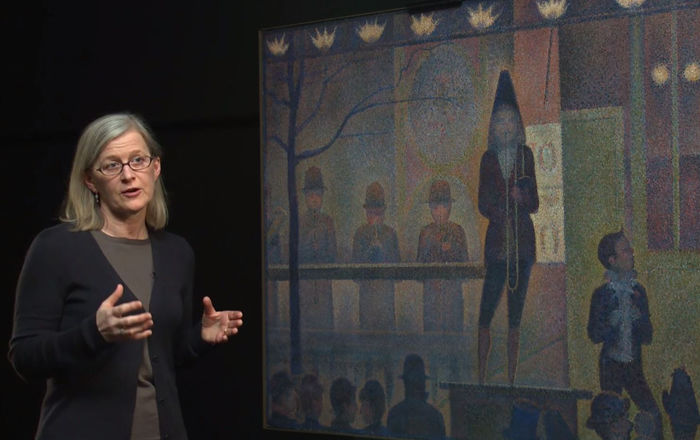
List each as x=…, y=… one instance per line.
x=190, y=69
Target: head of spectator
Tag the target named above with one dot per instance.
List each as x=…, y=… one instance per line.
x=414, y=377
x=525, y=416
x=681, y=405
x=555, y=427
x=343, y=402
x=372, y=403
x=284, y=401
x=609, y=416
x=311, y=397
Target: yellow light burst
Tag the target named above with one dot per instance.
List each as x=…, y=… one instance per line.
x=552, y=9
x=423, y=25
x=278, y=46
x=691, y=73
x=370, y=32
x=481, y=18
x=627, y=4
x=660, y=74
x=323, y=40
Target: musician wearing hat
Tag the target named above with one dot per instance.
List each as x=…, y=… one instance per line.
x=442, y=241
x=413, y=417
x=317, y=245
x=507, y=198
x=375, y=242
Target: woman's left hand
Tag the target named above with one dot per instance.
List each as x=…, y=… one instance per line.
x=218, y=326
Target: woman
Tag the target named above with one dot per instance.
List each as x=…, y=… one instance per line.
x=104, y=299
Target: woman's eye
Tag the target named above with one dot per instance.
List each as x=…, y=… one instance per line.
x=111, y=166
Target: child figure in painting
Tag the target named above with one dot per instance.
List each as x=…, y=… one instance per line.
x=619, y=318
x=442, y=241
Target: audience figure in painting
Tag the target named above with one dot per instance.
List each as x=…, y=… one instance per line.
x=375, y=243
x=311, y=398
x=442, y=241
x=413, y=417
x=317, y=245
x=644, y=426
x=105, y=298
x=507, y=198
x=619, y=319
x=555, y=427
x=525, y=416
x=681, y=406
x=372, y=408
x=344, y=404
x=609, y=416
x=284, y=402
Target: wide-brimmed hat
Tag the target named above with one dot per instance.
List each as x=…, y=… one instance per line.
x=313, y=180
x=374, y=198
x=440, y=192
x=413, y=369
x=606, y=408
x=524, y=418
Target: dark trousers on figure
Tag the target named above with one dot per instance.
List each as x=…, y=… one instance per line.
x=494, y=282
x=616, y=376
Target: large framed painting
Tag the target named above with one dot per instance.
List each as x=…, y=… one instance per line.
x=481, y=220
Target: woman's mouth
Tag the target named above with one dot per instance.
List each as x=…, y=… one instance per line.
x=131, y=192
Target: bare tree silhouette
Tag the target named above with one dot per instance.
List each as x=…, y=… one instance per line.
x=291, y=90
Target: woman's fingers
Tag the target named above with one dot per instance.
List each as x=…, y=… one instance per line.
x=126, y=308
x=134, y=320
x=138, y=331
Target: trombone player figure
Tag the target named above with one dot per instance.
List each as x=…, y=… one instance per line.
x=507, y=197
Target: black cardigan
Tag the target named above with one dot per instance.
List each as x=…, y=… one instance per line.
x=91, y=383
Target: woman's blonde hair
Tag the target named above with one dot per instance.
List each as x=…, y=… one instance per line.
x=79, y=206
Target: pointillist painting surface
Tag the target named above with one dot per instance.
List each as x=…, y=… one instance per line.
x=437, y=185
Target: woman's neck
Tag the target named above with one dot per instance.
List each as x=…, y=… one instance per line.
x=134, y=228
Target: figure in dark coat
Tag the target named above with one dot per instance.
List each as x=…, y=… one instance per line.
x=442, y=241
x=681, y=406
x=375, y=242
x=507, y=197
x=413, y=417
x=619, y=318
x=317, y=245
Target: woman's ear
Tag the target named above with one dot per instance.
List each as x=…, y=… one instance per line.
x=156, y=166
x=87, y=179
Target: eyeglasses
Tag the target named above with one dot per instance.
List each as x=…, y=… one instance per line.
x=112, y=167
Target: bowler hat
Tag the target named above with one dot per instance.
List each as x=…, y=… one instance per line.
x=413, y=369
x=313, y=180
x=440, y=192
x=374, y=198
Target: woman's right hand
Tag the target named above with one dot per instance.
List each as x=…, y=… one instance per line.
x=117, y=323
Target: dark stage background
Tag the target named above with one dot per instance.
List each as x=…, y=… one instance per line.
x=190, y=69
